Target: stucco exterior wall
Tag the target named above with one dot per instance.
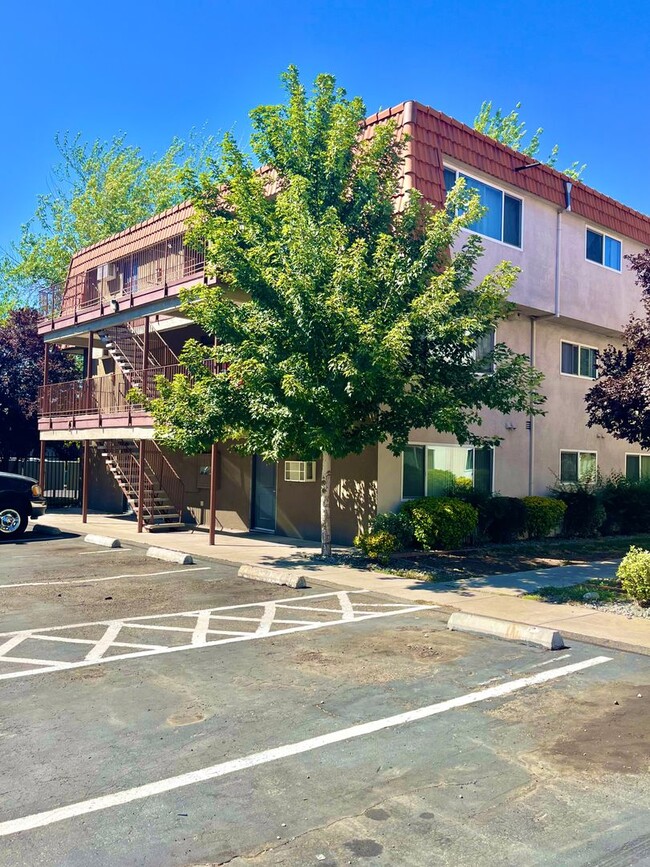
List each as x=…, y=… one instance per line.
x=354, y=499
x=587, y=292
x=563, y=427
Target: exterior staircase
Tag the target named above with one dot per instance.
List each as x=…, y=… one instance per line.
x=164, y=493
x=125, y=344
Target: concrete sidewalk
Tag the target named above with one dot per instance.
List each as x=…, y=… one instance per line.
x=494, y=596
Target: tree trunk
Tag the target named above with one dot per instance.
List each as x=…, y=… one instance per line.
x=325, y=516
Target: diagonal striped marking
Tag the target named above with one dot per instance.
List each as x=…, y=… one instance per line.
x=104, y=642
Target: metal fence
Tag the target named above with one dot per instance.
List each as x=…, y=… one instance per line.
x=62, y=478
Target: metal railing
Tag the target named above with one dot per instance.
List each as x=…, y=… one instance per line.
x=166, y=476
x=164, y=264
x=106, y=395
x=159, y=477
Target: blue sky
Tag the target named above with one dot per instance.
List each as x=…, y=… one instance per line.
x=157, y=69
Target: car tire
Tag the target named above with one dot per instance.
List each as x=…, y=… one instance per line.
x=13, y=522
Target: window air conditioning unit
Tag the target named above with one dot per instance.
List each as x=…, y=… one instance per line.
x=108, y=271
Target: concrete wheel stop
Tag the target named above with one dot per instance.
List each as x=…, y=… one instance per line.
x=170, y=556
x=287, y=577
x=550, y=639
x=105, y=541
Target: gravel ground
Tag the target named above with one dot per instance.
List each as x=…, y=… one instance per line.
x=627, y=609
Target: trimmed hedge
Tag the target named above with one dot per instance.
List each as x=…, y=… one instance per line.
x=505, y=519
x=377, y=546
x=634, y=573
x=543, y=515
x=441, y=522
x=585, y=513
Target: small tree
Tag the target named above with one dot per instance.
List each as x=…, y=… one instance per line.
x=21, y=373
x=619, y=400
x=342, y=320
x=510, y=131
x=99, y=188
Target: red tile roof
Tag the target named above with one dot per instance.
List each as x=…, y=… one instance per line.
x=166, y=225
x=432, y=137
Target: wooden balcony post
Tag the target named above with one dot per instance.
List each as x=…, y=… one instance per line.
x=84, y=483
x=145, y=352
x=41, y=466
x=141, y=486
x=213, y=494
x=46, y=363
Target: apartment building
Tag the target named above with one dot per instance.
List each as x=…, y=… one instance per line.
x=120, y=308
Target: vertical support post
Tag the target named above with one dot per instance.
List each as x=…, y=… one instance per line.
x=141, y=486
x=41, y=466
x=89, y=370
x=84, y=483
x=145, y=352
x=213, y=494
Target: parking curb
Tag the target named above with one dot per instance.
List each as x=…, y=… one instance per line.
x=105, y=541
x=550, y=639
x=46, y=530
x=170, y=556
x=273, y=576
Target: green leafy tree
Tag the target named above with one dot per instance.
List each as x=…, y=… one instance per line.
x=511, y=131
x=340, y=320
x=99, y=188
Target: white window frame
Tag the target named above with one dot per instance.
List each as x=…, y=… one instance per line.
x=577, y=375
x=503, y=192
x=302, y=469
x=440, y=446
x=575, y=452
x=604, y=234
x=634, y=455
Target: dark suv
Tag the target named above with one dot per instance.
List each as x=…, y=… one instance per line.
x=20, y=498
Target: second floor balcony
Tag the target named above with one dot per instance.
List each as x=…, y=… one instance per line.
x=104, y=401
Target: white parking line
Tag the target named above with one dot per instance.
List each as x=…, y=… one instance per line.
x=116, y=799
x=201, y=626
x=107, y=578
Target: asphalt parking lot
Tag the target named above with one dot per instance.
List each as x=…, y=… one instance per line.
x=154, y=714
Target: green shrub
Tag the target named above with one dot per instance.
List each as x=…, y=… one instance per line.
x=441, y=522
x=397, y=524
x=627, y=506
x=634, y=573
x=377, y=546
x=585, y=513
x=543, y=515
x=482, y=503
x=505, y=519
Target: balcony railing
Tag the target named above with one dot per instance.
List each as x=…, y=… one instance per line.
x=167, y=263
x=105, y=395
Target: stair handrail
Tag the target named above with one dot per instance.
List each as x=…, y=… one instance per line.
x=167, y=477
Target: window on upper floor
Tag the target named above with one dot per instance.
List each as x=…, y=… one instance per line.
x=578, y=466
x=603, y=249
x=432, y=470
x=502, y=221
x=578, y=360
x=637, y=468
